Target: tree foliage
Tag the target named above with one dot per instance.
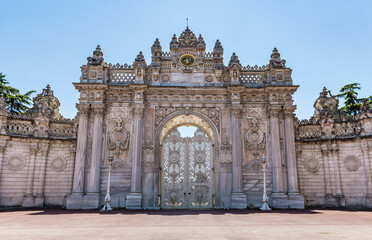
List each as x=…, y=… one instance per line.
x=14, y=100
x=353, y=104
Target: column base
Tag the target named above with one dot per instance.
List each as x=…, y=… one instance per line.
x=82, y=202
x=296, y=201
x=238, y=200
x=33, y=202
x=279, y=200
x=134, y=201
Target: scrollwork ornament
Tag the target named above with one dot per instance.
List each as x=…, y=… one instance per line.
x=118, y=139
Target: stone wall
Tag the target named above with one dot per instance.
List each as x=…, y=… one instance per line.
x=334, y=160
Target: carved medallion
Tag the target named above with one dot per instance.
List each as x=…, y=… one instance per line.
x=16, y=163
x=58, y=164
x=165, y=78
x=352, y=163
x=209, y=78
x=311, y=164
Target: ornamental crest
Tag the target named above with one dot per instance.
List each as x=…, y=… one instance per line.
x=254, y=138
x=118, y=139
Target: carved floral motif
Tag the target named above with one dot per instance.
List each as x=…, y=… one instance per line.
x=352, y=163
x=118, y=139
x=16, y=163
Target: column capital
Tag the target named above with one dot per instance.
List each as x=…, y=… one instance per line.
x=236, y=110
x=83, y=108
x=364, y=145
x=325, y=148
x=289, y=110
x=34, y=147
x=98, y=108
x=274, y=110
x=44, y=146
x=138, y=110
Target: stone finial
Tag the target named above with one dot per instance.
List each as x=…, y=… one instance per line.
x=218, y=45
x=139, y=60
x=174, y=43
x=325, y=105
x=46, y=104
x=140, y=57
x=97, y=58
x=234, y=60
x=187, y=39
x=276, y=61
x=156, y=43
x=201, y=43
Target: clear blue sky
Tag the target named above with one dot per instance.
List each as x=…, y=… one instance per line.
x=326, y=43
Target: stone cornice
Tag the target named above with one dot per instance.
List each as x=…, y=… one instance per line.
x=91, y=86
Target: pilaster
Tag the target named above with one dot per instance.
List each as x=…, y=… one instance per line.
x=367, y=171
x=93, y=190
x=39, y=198
x=278, y=198
x=75, y=200
x=134, y=198
x=28, y=200
x=296, y=200
x=238, y=197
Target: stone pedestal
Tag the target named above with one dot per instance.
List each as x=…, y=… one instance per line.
x=279, y=200
x=82, y=202
x=134, y=201
x=296, y=201
x=238, y=200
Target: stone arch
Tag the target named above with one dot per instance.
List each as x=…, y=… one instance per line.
x=192, y=118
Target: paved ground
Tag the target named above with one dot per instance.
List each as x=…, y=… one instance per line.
x=244, y=224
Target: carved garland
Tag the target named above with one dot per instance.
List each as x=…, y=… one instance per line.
x=162, y=112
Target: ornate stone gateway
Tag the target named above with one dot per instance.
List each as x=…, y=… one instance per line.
x=187, y=177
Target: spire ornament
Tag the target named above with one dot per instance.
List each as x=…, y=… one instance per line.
x=97, y=58
x=276, y=61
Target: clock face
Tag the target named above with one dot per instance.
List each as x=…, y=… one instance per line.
x=187, y=60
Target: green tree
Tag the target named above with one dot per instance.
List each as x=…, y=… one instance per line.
x=352, y=103
x=14, y=100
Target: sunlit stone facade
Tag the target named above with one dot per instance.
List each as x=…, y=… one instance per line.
x=132, y=112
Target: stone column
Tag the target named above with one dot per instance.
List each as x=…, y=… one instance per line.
x=238, y=198
x=39, y=200
x=296, y=200
x=339, y=197
x=367, y=171
x=75, y=201
x=93, y=188
x=329, y=201
x=28, y=200
x=94, y=176
x=278, y=198
x=134, y=198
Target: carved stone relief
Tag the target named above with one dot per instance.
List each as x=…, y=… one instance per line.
x=254, y=138
x=58, y=164
x=162, y=112
x=311, y=164
x=352, y=163
x=148, y=154
x=16, y=163
x=118, y=139
x=255, y=165
x=225, y=153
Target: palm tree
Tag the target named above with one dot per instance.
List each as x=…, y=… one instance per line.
x=14, y=100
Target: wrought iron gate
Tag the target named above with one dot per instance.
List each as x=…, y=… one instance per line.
x=187, y=177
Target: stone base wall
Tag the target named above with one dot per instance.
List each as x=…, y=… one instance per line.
x=49, y=180
x=335, y=173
